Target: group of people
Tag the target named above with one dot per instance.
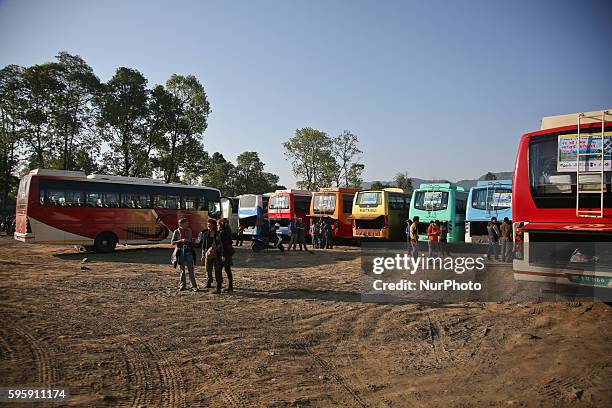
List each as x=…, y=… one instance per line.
x=437, y=238
x=322, y=234
x=500, y=234
x=216, y=254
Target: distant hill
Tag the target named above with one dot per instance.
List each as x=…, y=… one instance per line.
x=466, y=184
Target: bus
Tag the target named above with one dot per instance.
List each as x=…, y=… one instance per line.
x=334, y=205
x=489, y=198
x=444, y=202
x=252, y=210
x=99, y=211
x=229, y=209
x=562, y=214
x=380, y=214
x=283, y=205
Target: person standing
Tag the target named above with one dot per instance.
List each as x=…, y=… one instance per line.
x=432, y=238
x=301, y=234
x=314, y=235
x=407, y=231
x=328, y=235
x=414, y=237
x=443, y=242
x=207, y=239
x=506, y=240
x=182, y=240
x=293, y=233
x=493, y=237
x=223, y=256
x=240, y=234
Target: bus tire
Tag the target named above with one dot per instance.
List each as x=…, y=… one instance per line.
x=105, y=242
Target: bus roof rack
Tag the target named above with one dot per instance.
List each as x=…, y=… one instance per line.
x=550, y=122
x=484, y=183
x=55, y=172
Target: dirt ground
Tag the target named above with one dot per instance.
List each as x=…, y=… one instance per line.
x=295, y=333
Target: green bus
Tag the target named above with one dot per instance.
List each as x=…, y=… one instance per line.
x=444, y=202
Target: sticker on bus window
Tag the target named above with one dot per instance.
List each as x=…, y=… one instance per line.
x=432, y=198
x=590, y=152
x=501, y=199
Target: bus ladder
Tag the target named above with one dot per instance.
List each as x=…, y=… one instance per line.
x=489, y=205
x=587, y=175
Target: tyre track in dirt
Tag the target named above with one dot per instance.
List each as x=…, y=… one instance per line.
x=46, y=368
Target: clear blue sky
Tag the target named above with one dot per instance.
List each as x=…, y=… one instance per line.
x=439, y=89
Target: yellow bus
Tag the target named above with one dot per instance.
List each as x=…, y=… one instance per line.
x=381, y=214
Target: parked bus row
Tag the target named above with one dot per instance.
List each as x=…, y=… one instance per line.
x=559, y=201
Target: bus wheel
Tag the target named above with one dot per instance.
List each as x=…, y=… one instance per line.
x=105, y=242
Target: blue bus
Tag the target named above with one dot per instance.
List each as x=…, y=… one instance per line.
x=489, y=198
x=252, y=209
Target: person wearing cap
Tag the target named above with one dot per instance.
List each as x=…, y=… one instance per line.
x=182, y=240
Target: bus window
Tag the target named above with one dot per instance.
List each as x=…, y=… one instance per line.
x=188, y=203
x=460, y=206
x=63, y=198
x=102, y=200
x=170, y=202
x=431, y=200
x=347, y=204
x=369, y=199
x=135, y=200
x=324, y=203
x=396, y=202
x=279, y=202
x=302, y=204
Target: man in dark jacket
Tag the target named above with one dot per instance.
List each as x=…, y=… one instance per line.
x=223, y=256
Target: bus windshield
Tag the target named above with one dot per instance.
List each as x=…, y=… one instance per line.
x=431, y=200
x=280, y=202
x=248, y=201
x=483, y=199
x=369, y=198
x=324, y=203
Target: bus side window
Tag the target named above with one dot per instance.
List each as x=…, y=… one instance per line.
x=202, y=204
x=188, y=203
x=347, y=204
x=302, y=204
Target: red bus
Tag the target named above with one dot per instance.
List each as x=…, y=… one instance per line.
x=284, y=204
x=561, y=209
x=99, y=211
x=334, y=205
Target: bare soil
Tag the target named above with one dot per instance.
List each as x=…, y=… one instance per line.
x=294, y=333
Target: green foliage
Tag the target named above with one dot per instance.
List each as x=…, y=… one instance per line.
x=379, y=185
x=489, y=176
x=402, y=181
x=319, y=160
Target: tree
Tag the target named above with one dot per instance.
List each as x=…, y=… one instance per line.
x=346, y=154
x=310, y=152
x=72, y=107
x=379, y=185
x=220, y=174
x=189, y=110
x=402, y=181
x=11, y=94
x=39, y=87
x=489, y=176
x=250, y=177
x=354, y=175
x=123, y=109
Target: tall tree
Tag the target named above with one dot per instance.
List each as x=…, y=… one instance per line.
x=250, y=177
x=310, y=152
x=354, y=178
x=189, y=120
x=402, y=181
x=346, y=154
x=39, y=85
x=220, y=174
x=11, y=89
x=123, y=109
x=73, y=108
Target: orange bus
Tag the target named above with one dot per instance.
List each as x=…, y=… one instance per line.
x=334, y=204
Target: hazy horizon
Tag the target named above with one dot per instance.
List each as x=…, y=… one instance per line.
x=441, y=90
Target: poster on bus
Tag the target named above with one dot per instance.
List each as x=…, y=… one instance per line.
x=590, y=152
x=502, y=199
x=432, y=198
